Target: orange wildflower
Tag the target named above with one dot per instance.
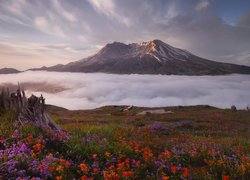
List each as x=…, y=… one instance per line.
x=59, y=177
x=67, y=164
x=33, y=154
x=111, y=167
x=167, y=153
x=84, y=177
x=30, y=139
x=137, y=148
x=220, y=161
x=185, y=172
x=37, y=147
x=127, y=162
x=61, y=160
x=41, y=166
x=39, y=141
x=94, y=155
x=107, y=154
x=226, y=178
x=59, y=168
x=95, y=170
x=62, y=134
x=165, y=178
x=128, y=174
x=147, y=154
x=138, y=163
x=51, y=168
x=121, y=155
x=84, y=168
x=110, y=175
x=120, y=166
x=173, y=169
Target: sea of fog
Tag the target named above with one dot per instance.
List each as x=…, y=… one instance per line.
x=91, y=90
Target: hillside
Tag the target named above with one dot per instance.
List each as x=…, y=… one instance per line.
x=8, y=71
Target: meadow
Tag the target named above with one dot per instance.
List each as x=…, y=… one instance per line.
x=112, y=142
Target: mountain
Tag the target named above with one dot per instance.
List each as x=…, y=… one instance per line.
x=153, y=57
x=8, y=71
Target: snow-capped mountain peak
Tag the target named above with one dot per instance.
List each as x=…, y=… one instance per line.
x=160, y=51
x=150, y=57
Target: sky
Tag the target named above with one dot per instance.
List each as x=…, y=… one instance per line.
x=35, y=33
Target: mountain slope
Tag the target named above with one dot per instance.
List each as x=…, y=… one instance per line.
x=8, y=71
x=153, y=57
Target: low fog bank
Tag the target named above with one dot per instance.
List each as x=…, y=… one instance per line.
x=86, y=91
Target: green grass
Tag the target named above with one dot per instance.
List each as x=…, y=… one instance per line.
x=7, y=120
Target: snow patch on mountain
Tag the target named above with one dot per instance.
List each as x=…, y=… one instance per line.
x=159, y=50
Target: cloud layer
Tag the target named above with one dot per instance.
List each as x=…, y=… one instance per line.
x=85, y=91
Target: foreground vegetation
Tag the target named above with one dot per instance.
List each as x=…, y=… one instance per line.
x=108, y=143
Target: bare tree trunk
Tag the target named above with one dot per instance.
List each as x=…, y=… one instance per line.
x=27, y=110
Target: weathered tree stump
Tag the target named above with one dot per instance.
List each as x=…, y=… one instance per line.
x=27, y=110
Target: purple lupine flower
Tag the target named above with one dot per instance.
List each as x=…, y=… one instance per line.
x=159, y=128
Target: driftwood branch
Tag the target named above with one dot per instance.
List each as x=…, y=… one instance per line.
x=31, y=110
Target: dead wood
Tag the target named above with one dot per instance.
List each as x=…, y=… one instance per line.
x=27, y=110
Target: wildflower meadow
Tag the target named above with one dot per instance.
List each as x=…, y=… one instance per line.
x=212, y=144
